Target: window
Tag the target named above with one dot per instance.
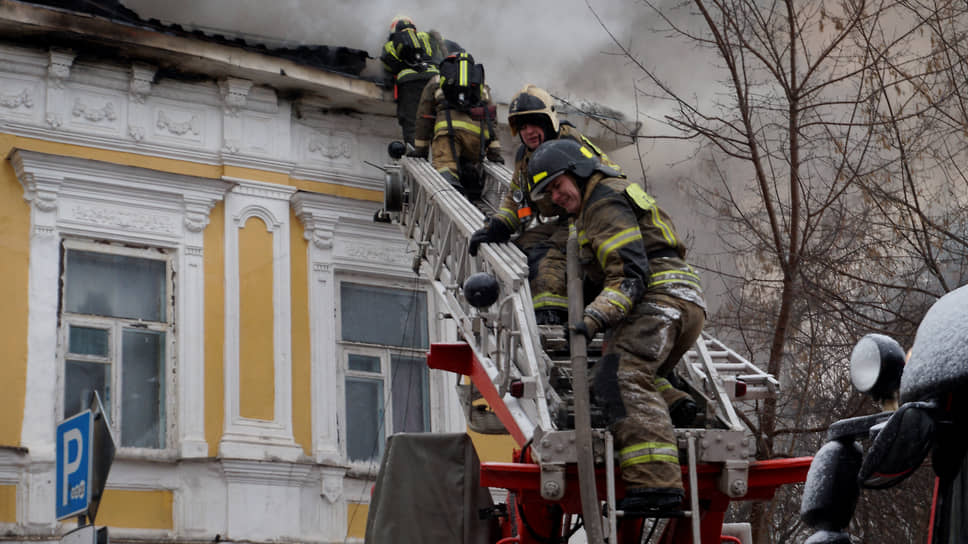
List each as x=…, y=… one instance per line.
x=115, y=323
x=383, y=342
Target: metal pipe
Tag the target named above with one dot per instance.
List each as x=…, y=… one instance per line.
x=610, y=486
x=590, y=507
x=693, y=488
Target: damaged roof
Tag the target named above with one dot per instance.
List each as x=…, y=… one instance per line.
x=106, y=29
x=344, y=60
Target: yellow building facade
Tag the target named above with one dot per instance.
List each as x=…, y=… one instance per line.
x=187, y=229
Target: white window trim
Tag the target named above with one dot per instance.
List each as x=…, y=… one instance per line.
x=344, y=348
x=81, y=198
x=385, y=375
x=345, y=243
x=115, y=326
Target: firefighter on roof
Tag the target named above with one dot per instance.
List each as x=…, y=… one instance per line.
x=456, y=123
x=532, y=117
x=650, y=307
x=409, y=59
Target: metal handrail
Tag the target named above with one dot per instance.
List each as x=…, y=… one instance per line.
x=442, y=220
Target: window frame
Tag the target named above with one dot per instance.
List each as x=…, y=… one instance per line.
x=115, y=327
x=385, y=353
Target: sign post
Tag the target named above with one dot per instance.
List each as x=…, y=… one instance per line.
x=84, y=453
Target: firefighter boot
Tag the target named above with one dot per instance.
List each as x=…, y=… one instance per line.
x=682, y=408
x=550, y=316
x=454, y=181
x=651, y=502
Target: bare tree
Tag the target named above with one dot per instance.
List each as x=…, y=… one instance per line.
x=836, y=137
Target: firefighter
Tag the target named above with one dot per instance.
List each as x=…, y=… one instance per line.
x=409, y=59
x=456, y=122
x=532, y=117
x=651, y=308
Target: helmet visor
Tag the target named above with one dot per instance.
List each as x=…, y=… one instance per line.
x=541, y=183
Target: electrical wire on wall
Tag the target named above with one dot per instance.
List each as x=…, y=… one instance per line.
x=410, y=341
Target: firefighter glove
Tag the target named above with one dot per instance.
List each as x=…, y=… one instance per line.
x=588, y=327
x=420, y=153
x=495, y=231
x=494, y=155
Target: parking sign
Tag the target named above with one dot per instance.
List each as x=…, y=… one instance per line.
x=74, y=465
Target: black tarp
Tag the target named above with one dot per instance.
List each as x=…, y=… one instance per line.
x=428, y=490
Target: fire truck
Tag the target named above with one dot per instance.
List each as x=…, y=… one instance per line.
x=924, y=412
x=530, y=381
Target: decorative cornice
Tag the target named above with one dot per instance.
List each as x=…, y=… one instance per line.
x=128, y=220
x=59, y=66
x=124, y=198
x=197, y=213
x=332, y=489
x=14, y=101
x=319, y=230
x=137, y=133
x=273, y=473
x=319, y=220
x=177, y=128
x=92, y=114
x=260, y=189
x=234, y=92
x=38, y=190
x=54, y=120
x=139, y=85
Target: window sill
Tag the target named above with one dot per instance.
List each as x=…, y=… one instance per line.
x=143, y=454
x=361, y=470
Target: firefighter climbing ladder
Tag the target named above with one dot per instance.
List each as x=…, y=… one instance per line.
x=509, y=353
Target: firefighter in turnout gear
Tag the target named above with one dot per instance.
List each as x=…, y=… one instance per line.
x=532, y=117
x=650, y=307
x=409, y=59
x=456, y=123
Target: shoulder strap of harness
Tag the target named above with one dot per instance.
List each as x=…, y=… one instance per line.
x=450, y=138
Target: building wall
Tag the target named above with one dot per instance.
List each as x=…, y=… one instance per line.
x=262, y=205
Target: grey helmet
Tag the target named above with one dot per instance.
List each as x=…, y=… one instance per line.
x=555, y=157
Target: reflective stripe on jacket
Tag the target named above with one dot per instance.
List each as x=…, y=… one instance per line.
x=630, y=246
x=402, y=71
x=432, y=117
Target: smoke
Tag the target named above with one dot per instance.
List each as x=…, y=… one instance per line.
x=559, y=45
x=555, y=44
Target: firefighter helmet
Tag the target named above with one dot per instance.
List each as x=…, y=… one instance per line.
x=556, y=157
x=533, y=102
x=400, y=22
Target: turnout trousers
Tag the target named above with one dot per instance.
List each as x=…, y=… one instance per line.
x=645, y=346
x=468, y=148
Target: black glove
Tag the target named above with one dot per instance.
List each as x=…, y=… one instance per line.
x=550, y=316
x=420, y=153
x=495, y=156
x=588, y=327
x=495, y=231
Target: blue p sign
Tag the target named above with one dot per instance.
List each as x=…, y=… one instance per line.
x=73, y=465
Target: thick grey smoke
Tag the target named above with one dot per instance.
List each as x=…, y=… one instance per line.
x=556, y=44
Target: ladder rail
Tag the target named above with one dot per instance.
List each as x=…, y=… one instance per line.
x=507, y=343
x=504, y=337
x=715, y=371
x=724, y=403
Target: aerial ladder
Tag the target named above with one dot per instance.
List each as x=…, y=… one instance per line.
x=536, y=391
